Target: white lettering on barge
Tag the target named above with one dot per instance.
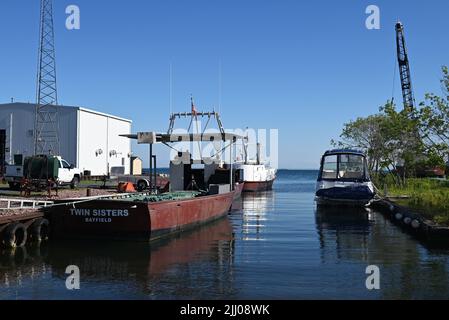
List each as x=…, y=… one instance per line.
x=98, y=220
x=99, y=215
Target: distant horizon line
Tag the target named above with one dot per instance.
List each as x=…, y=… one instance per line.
x=282, y=169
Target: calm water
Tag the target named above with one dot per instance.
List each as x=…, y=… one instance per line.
x=275, y=245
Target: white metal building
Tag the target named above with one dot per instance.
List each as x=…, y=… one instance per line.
x=90, y=140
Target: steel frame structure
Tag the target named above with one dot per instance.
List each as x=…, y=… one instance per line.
x=47, y=114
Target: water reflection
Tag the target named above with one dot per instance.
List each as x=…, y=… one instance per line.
x=17, y=266
x=255, y=207
x=363, y=236
x=168, y=268
x=278, y=246
x=340, y=228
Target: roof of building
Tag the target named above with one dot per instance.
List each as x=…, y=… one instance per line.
x=73, y=107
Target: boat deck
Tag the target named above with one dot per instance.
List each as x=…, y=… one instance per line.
x=170, y=196
x=145, y=197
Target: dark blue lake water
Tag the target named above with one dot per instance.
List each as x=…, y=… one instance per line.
x=274, y=245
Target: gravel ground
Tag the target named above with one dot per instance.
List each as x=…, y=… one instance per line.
x=81, y=193
x=63, y=193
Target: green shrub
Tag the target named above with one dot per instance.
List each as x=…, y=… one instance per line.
x=429, y=196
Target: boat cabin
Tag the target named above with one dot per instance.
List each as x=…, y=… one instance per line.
x=344, y=165
x=203, y=175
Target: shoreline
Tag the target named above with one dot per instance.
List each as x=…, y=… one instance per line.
x=414, y=223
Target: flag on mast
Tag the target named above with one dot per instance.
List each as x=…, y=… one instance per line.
x=194, y=111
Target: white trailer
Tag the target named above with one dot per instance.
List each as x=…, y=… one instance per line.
x=90, y=140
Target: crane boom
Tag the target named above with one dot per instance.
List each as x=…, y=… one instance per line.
x=404, y=68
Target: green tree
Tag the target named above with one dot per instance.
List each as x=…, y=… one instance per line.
x=365, y=134
x=434, y=119
x=403, y=142
x=389, y=138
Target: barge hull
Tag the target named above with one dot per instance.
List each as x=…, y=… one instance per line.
x=136, y=220
x=176, y=216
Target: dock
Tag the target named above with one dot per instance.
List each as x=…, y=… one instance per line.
x=22, y=221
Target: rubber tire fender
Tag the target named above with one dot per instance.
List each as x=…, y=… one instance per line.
x=10, y=238
x=40, y=230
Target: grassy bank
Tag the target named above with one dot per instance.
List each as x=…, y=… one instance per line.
x=428, y=196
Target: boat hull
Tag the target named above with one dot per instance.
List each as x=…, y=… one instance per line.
x=347, y=196
x=258, y=186
x=136, y=220
x=323, y=201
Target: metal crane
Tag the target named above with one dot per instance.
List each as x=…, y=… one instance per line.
x=404, y=68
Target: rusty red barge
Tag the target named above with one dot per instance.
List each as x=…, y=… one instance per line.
x=200, y=192
x=138, y=216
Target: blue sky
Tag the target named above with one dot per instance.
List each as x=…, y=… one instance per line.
x=303, y=67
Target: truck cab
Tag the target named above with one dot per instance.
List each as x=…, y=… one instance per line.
x=68, y=174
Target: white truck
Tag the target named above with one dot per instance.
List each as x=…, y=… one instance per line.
x=67, y=174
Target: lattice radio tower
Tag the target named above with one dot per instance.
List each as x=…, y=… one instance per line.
x=47, y=117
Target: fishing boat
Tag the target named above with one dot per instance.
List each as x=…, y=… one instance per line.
x=344, y=179
x=256, y=175
x=195, y=198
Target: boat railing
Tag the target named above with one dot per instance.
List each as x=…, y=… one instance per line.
x=20, y=204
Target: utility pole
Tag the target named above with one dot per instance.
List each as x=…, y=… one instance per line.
x=47, y=115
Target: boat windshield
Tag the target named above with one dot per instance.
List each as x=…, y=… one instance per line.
x=343, y=167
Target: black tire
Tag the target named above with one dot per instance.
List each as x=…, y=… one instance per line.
x=141, y=185
x=75, y=182
x=15, y=235
x=39, y=231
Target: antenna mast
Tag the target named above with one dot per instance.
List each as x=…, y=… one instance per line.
x=47, y=117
